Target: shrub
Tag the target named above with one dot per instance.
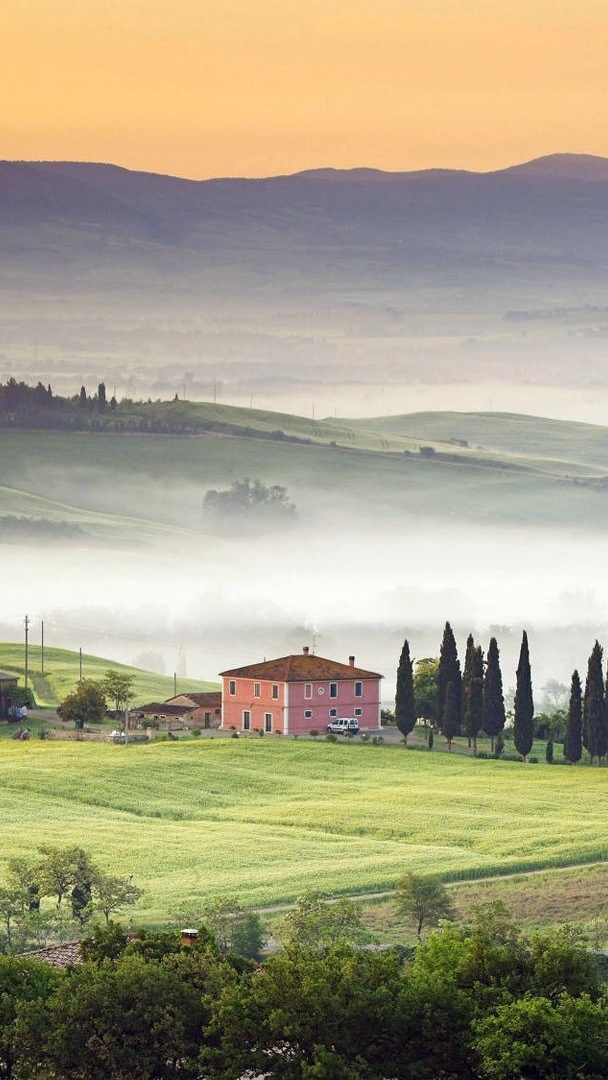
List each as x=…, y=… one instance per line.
x=533, y=760
x=234, y=734
x=196, y=732
x=483, y=755
x=330, y=737
x=314, y=734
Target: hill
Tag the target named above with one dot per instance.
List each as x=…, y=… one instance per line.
x=142, y=488
x=62, y=672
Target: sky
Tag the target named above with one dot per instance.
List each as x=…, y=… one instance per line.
x=204, y=88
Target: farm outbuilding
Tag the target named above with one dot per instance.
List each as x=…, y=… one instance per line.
x=8, y=682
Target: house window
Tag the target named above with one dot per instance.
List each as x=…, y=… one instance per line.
x=333, y=689
x=275, y=692
x=246, y=719
x=358, y=689
x=333, y=712
x=308, y=714
x=257, y=690
x=232, y=687
x=358, y=712
x=268, y=721
x=308, y=689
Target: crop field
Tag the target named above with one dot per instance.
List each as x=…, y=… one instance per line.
x=263, y=820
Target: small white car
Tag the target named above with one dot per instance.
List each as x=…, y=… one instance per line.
x=343, y=725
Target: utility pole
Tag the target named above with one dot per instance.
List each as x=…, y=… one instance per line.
x=80, y=664
x=127, y=720
x=42, y=646
x=26, y=623
x=175, y=684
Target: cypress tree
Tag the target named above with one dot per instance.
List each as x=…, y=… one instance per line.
x=573, y=744
x=405, y=706
x=493, y=699
x=467, y=682
x=595, y=738
x=449, y=672
x=450, y=723
x=472, y=693
x=523, y=724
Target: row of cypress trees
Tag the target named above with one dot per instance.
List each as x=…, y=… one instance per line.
x=472, y=701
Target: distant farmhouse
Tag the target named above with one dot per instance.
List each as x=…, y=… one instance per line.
x=299, y=693
x=184, y=711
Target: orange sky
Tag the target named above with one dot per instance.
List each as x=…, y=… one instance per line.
x=256, y=87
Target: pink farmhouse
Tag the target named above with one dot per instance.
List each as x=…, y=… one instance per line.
x=298, y=693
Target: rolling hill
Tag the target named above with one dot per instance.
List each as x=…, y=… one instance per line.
x=62, y=672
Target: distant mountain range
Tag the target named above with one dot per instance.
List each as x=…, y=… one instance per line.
x=553, y=209
x=333, y=273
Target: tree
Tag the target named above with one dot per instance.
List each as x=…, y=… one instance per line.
x=313, y=923
x=538, y=1039
x=130, y=1017
x=101, y=397
x=82, y=398
x=472, y=694
x=573, y=746
x=63, y=869
x=425, y=689
x=450, y=724
x=493, y=699
x=523, y=722
x=449, y=672
x=85, y=705
x=405, y=705
x=595, y=735
x=117, y=686
x=423, y=900
x=110, y=893
x=236, y=929
x=249, y=504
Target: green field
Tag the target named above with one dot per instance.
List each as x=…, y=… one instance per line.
x=135, y=489
x=264, y=820
x=62, y=672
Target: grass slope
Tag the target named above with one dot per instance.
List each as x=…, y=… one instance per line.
x=265, y=820
x=62, y=672
x=139, y=488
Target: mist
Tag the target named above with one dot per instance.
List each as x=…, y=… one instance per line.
x=199, y=606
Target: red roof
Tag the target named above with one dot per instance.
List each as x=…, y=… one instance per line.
x=301, y=667
x=212, y=699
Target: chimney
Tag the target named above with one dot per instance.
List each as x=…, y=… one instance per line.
x=306, y=650
x=189, y=937
x=351, y=661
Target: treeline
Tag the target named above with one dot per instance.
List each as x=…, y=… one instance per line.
x=37, y=407
x=482, y=1002
x=470, y=701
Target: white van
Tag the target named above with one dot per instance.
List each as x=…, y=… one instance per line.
x=344, y=724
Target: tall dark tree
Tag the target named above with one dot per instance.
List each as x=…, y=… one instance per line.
x=472, y=698
x=573, y=738
x=405, y=706
x=467, y=678
x=449, y=672
x=595, y=733
x=523, y=724
x=82, y=399
x=101, y=397
x=450, y=723
x=493, y=699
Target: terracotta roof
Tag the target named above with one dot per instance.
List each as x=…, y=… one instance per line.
x=5, y=676
x=160, y=708
x=58, y=956
x=211, y=698
x=301, y=667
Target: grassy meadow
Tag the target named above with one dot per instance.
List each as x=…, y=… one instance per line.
x=138, y=488
x=62, y=672
x=264, y=820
